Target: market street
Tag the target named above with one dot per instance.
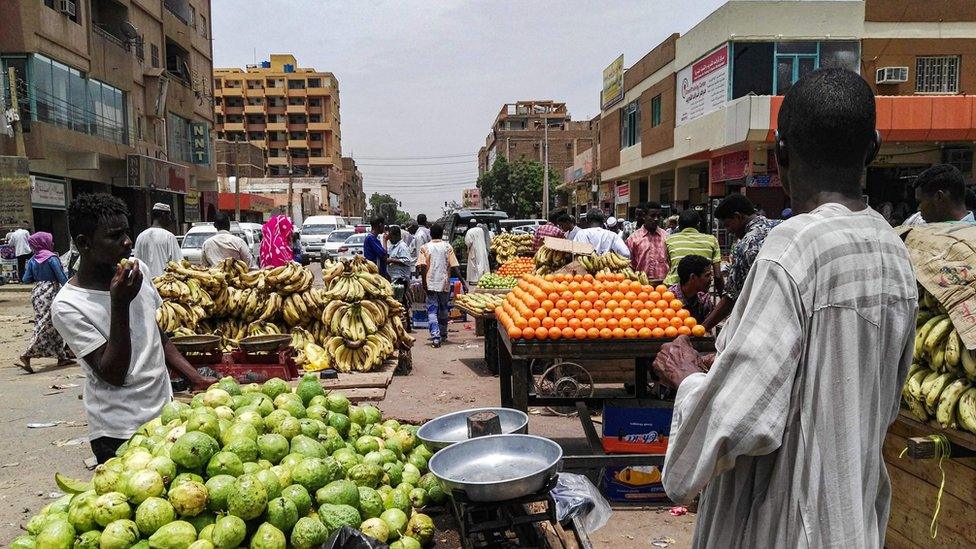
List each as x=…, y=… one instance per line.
x=30, y=457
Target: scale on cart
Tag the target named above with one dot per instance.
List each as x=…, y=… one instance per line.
x=258, y=359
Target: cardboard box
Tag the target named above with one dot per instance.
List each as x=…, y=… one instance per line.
x=636, y=426
x=564, y=245
x=633, y=484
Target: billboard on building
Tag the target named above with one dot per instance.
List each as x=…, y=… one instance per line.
x=48, y=193
x=613, y=83
x=200, y=142
x=15, y=195
x=703, y=86
x=146, y=171
x=622, y=193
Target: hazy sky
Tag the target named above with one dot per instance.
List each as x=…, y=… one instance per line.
x=426, y=78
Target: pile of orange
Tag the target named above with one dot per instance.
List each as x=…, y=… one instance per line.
x=517, y=267
x=605, y=306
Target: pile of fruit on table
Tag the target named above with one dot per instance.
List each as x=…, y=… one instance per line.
x=479, y=303
x=517, y=267
x=548, y=260
x=494, y=281
x=507, y=246
x=605, y=306
x=352, y=324
x=252, y=466
x=612, y=263
x=940, y=381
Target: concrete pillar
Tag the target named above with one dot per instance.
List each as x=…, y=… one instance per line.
x=654, y=188
x=681, y=178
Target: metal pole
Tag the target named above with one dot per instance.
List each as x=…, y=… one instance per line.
x=15, y=104
x=237, y=183
x=290, y=185
x=545, y=168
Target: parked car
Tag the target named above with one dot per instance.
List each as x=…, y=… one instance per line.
x=330, y=250
x=352, y=247
x=198, y=234
x=456, y=224
x=524, y=229
x=509, y=225
x=315, y=231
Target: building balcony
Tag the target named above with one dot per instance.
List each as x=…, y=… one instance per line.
x=319, y=126
x=233, y=109
x=254, y=92
x=274, y=92
x=296, y=92
x=232, y=92
x=276, y=109
x=277, y=161
x=318, y=92
x=233, y=126
x=299, y=161
x=297, y=127
x=320, y=160
x=276, y=127
x=316, y=144
x=256, y=127
x=296, y=109
x=254, y=109
x=277, y=144
x=259, y=143
x=297, y=144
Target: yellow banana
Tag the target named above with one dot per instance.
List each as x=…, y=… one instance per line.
x=945, y=412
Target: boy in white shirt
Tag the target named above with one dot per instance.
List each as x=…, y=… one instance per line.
x=106, y=313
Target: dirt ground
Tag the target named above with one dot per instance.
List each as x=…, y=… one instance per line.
x=451, y=378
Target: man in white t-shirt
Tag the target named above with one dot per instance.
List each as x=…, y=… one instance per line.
x=106, y=313
x=156, y=246
x=601, y=239
x=18, y=239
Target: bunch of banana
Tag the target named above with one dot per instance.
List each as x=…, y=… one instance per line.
x=549, y=260
x=301, y=308
x=403, y=338
x=198, y=295
x=172, y=315
x=171, y=287
x=594, y=263
x=289, y=278
x=211, y=279
x=252, y=279
x=479, y=303
x=355, y=286
x=183, y=331
x=232, y=268
x=263, y=328
x=359, y=264
x=639, y=276
x=359, y=356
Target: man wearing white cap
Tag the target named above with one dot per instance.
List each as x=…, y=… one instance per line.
x=156, y=246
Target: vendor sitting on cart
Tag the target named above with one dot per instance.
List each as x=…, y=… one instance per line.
x=784, y=432
x=106, y=314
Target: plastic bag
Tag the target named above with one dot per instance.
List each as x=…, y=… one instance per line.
x=350, y=538
x=575, y=495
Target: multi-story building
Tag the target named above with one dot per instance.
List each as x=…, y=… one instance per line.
x=114, y=96
x=519, y=131
x=694, y=119
x=289, y=111
x=352, y=199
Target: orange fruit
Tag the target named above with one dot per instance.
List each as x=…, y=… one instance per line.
x=592, y=295
x=637, y=304
x=682, y=313
x=592, y=333
x=644, y=332
x=618, y=333
x=567, y=312
x=677, y=322
x=698, y=330
x=586, y=305
x=579, y=295
x=671, y=332
x=644, y=296
x=657, y=313
x=676, y=304
x=580, y=313
x=630, y=295
x=663, y=304
x=606, y=333
x=663, y=322
x=514, y=332
x=644, y=313
x=606, y=313
x=568, y=333
x=669, y=313
x=561, y=322
x=684, y=330
x=599, y=304
x=542, y=333
x=548, y=322
x=657, y=332
x=653, y=296
x=612, y=323
x=574, y=323
x=561, y=303
x=625, y=323
x=632, y=313
x=667, y=296
x=540, y=313
x=574, y=285
x=691, y=322
x=579, y=333
x=534, y=322
x=528, y=333
x=600, y=323
x=637, y=323
x=555, y=313
x=625, y=303
x=573, y=304
x=630, y=333
x=555, y=333
x=661, y=288
x=592, y=313
x=619, y=313
x=618, y=295
x=613, y=304
x=521, y=323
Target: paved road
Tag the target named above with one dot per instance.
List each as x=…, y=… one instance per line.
x=447, y=379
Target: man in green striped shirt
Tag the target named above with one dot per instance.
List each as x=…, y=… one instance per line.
x=689, y=241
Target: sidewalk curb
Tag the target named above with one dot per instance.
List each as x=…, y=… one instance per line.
x=15, y=288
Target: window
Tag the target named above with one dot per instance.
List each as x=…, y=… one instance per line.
x=656, y=111
x=154, y=55
x=177, y=61
x=630, y=125
x=937, y=74
x=790, y=61
x=140, y=48
x=179, y=138
x=202, y=29
x=794, y=60
x=192, y=17
x=72, y=8
x=315, y=82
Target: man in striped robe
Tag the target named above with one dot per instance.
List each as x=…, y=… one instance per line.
x=784, y=431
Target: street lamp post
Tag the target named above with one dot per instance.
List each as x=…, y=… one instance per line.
x=545, y=170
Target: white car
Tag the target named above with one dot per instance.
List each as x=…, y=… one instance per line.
x=352, y=247
x=315, y=231
x=335, y=240
x=198, y=234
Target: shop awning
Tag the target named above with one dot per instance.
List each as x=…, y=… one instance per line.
x=250, y=202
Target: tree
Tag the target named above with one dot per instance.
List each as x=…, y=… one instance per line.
x=388, y=207
x=516, y=187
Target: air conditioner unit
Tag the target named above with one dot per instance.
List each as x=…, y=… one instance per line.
x=67, y=7
x=891, y=75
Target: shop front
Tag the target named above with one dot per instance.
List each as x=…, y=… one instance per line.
x=49, y=202
x=148, y=181
x=254, y=208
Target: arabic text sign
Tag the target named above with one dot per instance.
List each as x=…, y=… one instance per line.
x=613, y=82
x=702, y=86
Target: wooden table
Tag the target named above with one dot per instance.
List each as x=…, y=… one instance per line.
x=491, y=336
x=515, y=380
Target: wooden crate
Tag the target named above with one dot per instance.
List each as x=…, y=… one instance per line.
x=617, y=370
x=915, y=486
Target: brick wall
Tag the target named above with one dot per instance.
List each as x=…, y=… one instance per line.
x=877, y=53
x=661, y=55
x=660, y=137
x=920, y=10
x=610, y=140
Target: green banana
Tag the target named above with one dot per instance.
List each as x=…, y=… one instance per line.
x=968, y=360
x=935, y=391
x=938, y=333
x=953, y=344
x=945, y=412
x=926, y=384
x=938, y=359
x=923, y=332
x=915, y=406
x=967, y=410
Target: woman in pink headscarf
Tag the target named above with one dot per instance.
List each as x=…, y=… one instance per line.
x=276, y=242
x=47, y=274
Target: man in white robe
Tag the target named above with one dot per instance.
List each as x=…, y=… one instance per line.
x=477, y=241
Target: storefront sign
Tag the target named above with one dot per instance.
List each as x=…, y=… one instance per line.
x=613, y=82
x=606, y=192
x=15, y=195
x=702, y=86
x=623, y=193
x=200, y=142
x=48, y=193
x=729, y=166
x=191, y=207
x=145, y=171
x=764, y=180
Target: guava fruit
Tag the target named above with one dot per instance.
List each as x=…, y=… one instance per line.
x=193, y=450
x=189, y=498
x=152, y=514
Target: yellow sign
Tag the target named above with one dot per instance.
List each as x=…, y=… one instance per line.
x=613, y=82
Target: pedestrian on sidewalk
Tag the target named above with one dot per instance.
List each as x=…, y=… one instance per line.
x=157, y=246
x=276, y=242
x=373, y=248
x=478, y=241
x=400, y=264
x=784, y=432
x=107, y=316
x=437, y=262
x=47, y=274
x=18, y=239
x=689, y=241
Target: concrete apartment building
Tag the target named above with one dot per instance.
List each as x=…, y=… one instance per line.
x=352, y=199
x=519, y=131
x=115, y=96
x=289, y=111
x=694, y=118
